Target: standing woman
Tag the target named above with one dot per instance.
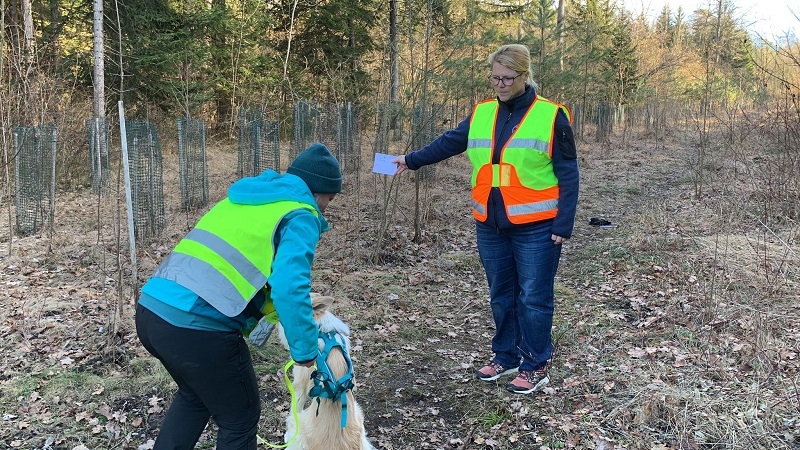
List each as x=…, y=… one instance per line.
x=525, y=181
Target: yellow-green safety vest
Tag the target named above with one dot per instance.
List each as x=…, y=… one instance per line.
x=223, y=261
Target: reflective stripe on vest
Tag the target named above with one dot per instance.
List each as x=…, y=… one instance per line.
x=525, y=173
x=223, y=262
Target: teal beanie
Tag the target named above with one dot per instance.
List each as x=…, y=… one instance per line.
x=319, y=169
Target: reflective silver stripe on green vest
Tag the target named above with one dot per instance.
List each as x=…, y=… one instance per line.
x=223, y=263
x=534, y=144
x=479, y=143
x=231, y=254
x=529, y=208
x=201, y=277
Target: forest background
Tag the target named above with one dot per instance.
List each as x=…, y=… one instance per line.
x=207, y=59
x=679, y=326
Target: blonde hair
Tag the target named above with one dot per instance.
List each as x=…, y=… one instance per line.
x=516, y=57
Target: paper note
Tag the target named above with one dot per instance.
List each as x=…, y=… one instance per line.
x=383, y=164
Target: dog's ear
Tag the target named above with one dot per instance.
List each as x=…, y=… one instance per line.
x=321, y=303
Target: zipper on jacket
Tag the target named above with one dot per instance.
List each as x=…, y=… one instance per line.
x=502, y=132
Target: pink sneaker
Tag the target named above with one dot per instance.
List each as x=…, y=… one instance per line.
x=493, y=371
x=528, y=381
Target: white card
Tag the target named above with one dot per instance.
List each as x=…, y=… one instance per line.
x=383, y=164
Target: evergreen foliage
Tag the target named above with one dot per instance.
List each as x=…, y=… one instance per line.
x=592, y=23
x=621, y=62
x=208, y=58
x=332, y=42
x=541, y=28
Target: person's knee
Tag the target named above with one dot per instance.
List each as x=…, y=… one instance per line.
x=238, y=432
x=538, y=299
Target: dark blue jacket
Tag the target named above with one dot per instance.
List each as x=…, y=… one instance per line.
x=565, y=160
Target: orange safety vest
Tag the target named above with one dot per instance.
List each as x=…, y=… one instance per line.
x=525, y=173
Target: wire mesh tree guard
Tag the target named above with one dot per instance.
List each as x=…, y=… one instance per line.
x=259, y=144
x=35, y=176
x=97, y=135
x=147, y=185
x=192, y=163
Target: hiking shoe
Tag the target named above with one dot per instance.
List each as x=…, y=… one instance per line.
x=493, y=371
x=528, y=381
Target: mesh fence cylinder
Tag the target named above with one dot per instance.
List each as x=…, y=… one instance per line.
x=259, y=144
x=338, y=130
x=97, y=135
x=34, y=171
x=147, y=185
x=192, y=163
x=306, y=124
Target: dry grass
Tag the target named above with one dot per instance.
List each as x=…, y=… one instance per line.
x=678, y=328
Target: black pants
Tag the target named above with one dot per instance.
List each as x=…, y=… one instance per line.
x=215, y=378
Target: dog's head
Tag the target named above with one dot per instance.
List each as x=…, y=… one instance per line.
x=326, y=321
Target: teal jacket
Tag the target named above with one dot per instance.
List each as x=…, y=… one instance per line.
x=294, y=241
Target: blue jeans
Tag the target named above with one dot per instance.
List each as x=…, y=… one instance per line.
x=520, y=265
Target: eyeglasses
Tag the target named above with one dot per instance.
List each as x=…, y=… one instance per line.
x=505, y=81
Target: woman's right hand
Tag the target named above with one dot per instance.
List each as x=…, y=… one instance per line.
x=401, y=164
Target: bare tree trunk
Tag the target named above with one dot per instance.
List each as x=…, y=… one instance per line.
x=560, y=34
x=119, y=55
x=394, y=61
x=27, y=25
x=6, y=161
x=418, y=213
x=99, y=64
x=473, y=88
x=718, y=31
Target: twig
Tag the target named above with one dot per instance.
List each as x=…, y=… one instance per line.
x=465, y=445
x=465, y=306
x=778, y=237
x=619, y=408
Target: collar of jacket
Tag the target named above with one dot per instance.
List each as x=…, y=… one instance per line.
x=521, y=102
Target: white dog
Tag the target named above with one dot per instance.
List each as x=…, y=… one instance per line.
x=320, y=419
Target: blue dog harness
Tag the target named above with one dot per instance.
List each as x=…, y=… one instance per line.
x=325, y=386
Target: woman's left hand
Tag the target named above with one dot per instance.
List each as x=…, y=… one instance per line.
x=558, y=240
